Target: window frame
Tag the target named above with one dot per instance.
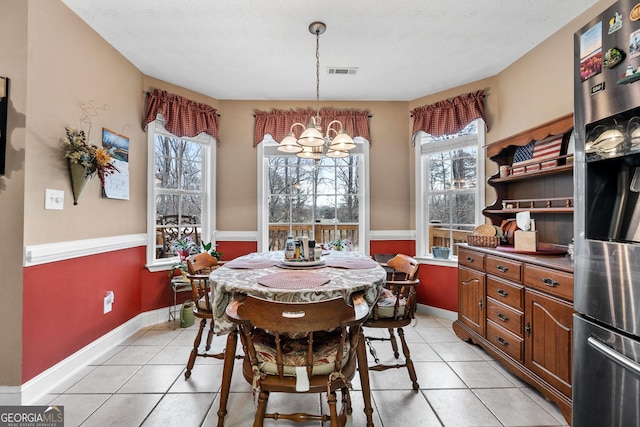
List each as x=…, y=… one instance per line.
x=267, y=148
x=208, y=215
x=422, y=190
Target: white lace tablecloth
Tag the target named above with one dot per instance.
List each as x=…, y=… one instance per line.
x=344, y=281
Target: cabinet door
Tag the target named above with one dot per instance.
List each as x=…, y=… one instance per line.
x=471, y=299
x=548, y=339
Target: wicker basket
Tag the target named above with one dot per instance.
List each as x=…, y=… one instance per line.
x=485, y=241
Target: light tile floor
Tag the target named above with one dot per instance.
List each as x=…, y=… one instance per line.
x=141, y=383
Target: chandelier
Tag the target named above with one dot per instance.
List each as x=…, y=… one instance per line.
x=312, y=143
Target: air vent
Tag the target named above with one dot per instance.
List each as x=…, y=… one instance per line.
x=342, y=70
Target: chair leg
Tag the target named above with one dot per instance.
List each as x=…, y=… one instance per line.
x=263, y=398
x=194, y=351
x=372, y=351
x=408, y=361
x=363, y=370
x=209, y=336
x=227, y=372
x=333, y=412
x=394, y=343
x=346, y=400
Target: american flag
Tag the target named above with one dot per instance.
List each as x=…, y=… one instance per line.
x=537, y=155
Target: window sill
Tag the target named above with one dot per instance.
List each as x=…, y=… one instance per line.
x=164, y=265
x=429, y=259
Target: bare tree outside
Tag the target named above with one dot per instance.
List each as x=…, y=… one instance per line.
x=179, y=190
x=304, y=193
x=452, y=179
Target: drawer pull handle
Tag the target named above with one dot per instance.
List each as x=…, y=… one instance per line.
x=503, y=293
x=503, y=317
x=503, y=341
x=502, y=268
x=470, y=259
x=549, y=282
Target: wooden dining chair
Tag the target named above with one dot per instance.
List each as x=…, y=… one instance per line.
x=394, y=310
x=307, y=347
x=198, y=268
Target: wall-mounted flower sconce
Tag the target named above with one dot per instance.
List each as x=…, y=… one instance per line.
x=4, y=107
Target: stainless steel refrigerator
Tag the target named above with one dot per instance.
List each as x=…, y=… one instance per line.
x=606, y=336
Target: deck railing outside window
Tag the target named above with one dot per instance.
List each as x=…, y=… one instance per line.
x=322, y=233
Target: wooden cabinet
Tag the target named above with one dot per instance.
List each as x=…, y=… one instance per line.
x=471, y=285
x=548, y=323
x=471, y=290
x=519, y=309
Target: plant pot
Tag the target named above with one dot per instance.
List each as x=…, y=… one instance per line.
x=441, y=252
x=79, y=179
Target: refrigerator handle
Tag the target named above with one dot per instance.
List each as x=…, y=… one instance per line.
x=613, y=355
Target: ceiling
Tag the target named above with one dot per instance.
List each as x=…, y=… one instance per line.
x=263, y=50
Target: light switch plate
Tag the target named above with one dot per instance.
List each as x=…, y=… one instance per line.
x=53, y=199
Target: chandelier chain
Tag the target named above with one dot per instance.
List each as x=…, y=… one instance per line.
x=318, y=73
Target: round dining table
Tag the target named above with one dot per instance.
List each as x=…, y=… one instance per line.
x=269, y=276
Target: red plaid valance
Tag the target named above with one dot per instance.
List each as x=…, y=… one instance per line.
x=182, y=116
x=449, y=116
x=278, y=122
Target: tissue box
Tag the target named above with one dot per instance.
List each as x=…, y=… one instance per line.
x=526, y=241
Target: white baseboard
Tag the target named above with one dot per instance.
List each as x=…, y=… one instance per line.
x=47, y=380
x=438, y=312
x=10, y=396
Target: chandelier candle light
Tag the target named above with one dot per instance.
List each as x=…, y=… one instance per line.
x=312, y=143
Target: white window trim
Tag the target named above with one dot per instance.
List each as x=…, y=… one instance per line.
x=208, y=212
x=422, y=214
x=363, y=214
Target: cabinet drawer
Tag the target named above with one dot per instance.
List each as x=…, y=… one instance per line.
x=506, y=293
x=502, y=267
x=553, y=282
x=505, y=340
x=471, y=259
x=504, y=316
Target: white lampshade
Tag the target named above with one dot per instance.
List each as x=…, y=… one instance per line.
x=289, y=144
x=311, y=137
x=342, y=142
x=313, y=153
x=336, y=154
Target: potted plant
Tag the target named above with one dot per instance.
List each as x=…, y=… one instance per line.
x=339, y=245
x=183, y=247
x=208, y=247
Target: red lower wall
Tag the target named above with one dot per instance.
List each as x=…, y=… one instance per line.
x=63, y=301
x=438, y=287
x=438, y=284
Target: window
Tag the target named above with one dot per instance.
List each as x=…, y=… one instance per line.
x=325, y=200
x=450, y=188
x=180, y=193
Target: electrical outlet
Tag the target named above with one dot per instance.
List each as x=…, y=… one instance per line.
x=53, y=199
x=108, y=302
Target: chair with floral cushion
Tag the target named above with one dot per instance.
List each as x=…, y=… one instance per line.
x=394, y=310
x=198, y=268
x=307, y=347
